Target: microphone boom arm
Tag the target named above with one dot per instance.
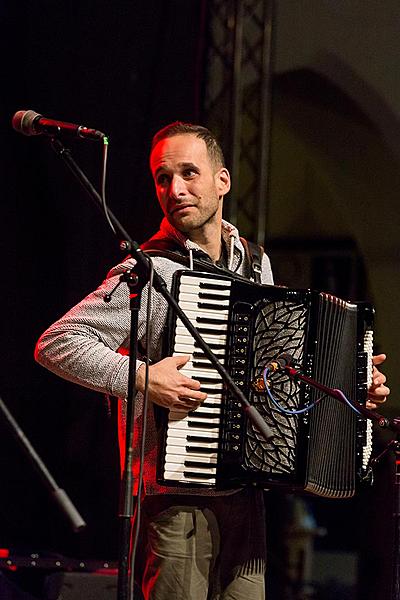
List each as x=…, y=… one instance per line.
x=383, y=422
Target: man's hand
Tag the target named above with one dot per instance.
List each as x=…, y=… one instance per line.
x=170, y=388
x=378, y=390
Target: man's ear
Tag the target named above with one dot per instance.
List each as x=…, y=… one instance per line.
x=223, y=181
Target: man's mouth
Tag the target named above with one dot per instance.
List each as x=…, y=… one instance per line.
x=179, y=207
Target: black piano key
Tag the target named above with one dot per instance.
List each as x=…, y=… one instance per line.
x=201, y=439
x=215, y=346
x=206, y=379
x=194, y=475
x=210, y=330
x=214, y=286
x=210, y=320
x=198, y=354
x=201, y=425
x=200, y=450
x=208, y=296
x=202, y=365
x=210, y=306
x=204, y=415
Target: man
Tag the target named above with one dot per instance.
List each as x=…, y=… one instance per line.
x=198, y=543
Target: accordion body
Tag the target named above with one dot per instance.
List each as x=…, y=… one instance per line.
x=324, y=450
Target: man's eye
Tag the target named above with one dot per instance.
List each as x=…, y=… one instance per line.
x=189, y=173
x=162, y=179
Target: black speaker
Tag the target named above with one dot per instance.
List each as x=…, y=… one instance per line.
x=83, y=586
x=79, y=586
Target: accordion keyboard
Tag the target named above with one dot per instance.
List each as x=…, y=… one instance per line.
x=192, y=438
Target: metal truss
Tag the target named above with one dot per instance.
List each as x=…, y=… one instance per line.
x=237, y=103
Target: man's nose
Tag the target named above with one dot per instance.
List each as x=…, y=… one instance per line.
x=177, y=187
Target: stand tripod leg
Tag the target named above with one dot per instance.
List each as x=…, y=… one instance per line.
x=396, y=527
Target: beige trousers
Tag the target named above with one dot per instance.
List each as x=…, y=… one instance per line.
x=204, y=548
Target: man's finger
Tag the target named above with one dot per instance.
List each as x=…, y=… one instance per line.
x=378, y=359
x=194, y=395
x=181, y=360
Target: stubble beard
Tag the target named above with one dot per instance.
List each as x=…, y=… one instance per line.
x=194, y=224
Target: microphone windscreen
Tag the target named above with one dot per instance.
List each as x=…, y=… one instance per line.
x=23, y=121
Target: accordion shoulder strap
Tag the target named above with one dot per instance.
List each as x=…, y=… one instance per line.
x=166, y=249
x=198, y=264
x=254, y=254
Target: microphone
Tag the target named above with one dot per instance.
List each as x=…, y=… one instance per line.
x=29, y=122
x=283, y=360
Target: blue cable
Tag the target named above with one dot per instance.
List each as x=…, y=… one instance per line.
x=286, y=411
x=348, y=402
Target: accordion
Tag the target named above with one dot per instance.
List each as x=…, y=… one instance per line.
x=324, y=450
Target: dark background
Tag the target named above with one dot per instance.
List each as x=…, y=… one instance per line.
x=126, y=68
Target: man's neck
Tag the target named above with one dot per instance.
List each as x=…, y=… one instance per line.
x=209, y=240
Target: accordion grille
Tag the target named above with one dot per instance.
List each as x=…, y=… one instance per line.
x=279, y=324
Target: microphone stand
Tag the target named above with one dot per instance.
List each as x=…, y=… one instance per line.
x=142, y=260
x=135, y=283
x=393, y=445
x=58, y=494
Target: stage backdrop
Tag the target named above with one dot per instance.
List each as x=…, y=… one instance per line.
x=126, y=68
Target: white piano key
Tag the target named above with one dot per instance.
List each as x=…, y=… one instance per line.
x=211, y=337
x=201, y=373
x=202, y=311
x=197, y=288
x=212, y=405
x=186, y=338
x=208, y=309
x=194, y=298
x=192, y=281
x=193, y=314
x=198, y=469
x=217, y=401
x=181, y=413
x=174, y=456
x=220, y=327
x=196, y=373
x=176, y=445
x=206, y=445
x=204, y=410
x=180, y=477
x=199, y=363
x=189, y=348
x=183, y=434
x=215, y=335
x=177, y=453
x=177, y=422
x=210, y=410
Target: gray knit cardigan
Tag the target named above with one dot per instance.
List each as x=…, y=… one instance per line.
x=89, y=345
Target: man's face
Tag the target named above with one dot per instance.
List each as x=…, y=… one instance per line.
x=188, y=187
